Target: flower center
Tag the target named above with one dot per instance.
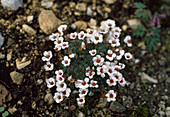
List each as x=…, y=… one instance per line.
x=98, y=60
x=82, y=36
x=55, y=37
x=62, y=85
x=48, y=56
x=59, y=42
x=121, y=81
x=110, y=55
x=110, y=71
x=128, y=56
x=113, y=42
x=116, y=31
x=83, y=92
x=111, y=95
x=116, y=36
x=111, y=81
x=84, y=83
x=109, y=25
x=94, y=84
x=66, y=62
x=59, y=97
x=81, y=100
x=60, y=78
x=117, y=77
x=93, y=52
x=51, y=83
x=64, y=92
x=97, y=38
x=101, y=70
x=60, y=73
x=49, y=66
x=129, y=41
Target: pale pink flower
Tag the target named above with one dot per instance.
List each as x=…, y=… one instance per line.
x=58, y=97
x=50, y=82
x=47, y=56
x=81, y=35
x=111, y=96
x=93, y=52
x=98, y=60
x=73, y=35
x=66, y=61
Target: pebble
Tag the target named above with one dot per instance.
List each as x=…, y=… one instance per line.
x=168, y=81
x=1, y=40
x=17, y=77
x=133, y=23
x=127, y=101
x=9, y=55
x=147, y=79
x=49, y=98
x=2, y=56
x=102, y=103
x=28, y=29
x=81, y=114
x=92, y=24
x=109, y=1
x=23, y=63
x=33, y=105
x=30, y=18
x=161, y=113
x=39, y=81
x=12, y=4
x=48, y=21
x=81, y=25
x=12, y=110
x=81, y=6
x=89, y=11
x=124, y=27
x=117, y=107
x=72, y=107
x=46, y=4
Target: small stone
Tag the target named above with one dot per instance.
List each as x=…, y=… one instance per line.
x=142, y=45
x=72, y=4
x=89, y=11
x=117, y=107
x=19, y=102
x=30, y=18
x=92, y=24
x=73, y=26
x=33, y=105
x=134, y=23
x=28, y=29
x=124, y=27
x=17, y=77
x=12, y=4
x=127, y=101
x=5, y=95
x=10, y=42
x=81, y=6
x=2, y=56
x=49, y=98
x=109, y=1
x=168, y=81
x=39, y=81
x=72, y=107
x=81, y=25
x=147, y=79
x=23, y=63
x=132, y=85
x=12, y=110
x=46, y=4
x=81, y=114
x=161, y=113
x=102, y=103
x=9, y=56
x=1, y=40
x=48, y=21
x=167, y=113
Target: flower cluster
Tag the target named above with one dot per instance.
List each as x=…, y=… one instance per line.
x=90, y=59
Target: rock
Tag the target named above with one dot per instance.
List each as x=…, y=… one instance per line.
x=72, y=4
x=33, y=105
x=168, y=81
x=109, y=1
x=81, y=25
x=10, y=42
x=5, y=95
x=39, y=81
x=46, y=3
x=30, y=18
x=102, y=12
x=28, y=29
x=147, y=79
x=1, y=40
x=124, y=27
x=92, y=24
x=65, y=114
x=16, y=77
x=161, y=113
x=134, y=23
x=12, y=110
x=89, y=11
x=12, y=4
x=49, y=98
x=127, y=101
x=9, y=55
x=102, y=103
x=167, y=111
x=72, y=107
x=23, y=63
x=2, y=56
x=81, y=114
x=48, y=21
x=81, y=6
x=117, y=107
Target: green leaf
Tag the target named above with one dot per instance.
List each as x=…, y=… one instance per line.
x=2, y=109
x=139, y=5
x=5, y=114
x=139, y=32
x=139, y=14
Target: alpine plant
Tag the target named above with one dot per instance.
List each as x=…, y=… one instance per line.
x=91, y=62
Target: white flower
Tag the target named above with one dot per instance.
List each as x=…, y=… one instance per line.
x=65, y=45
x=66, y=61
x=111, y=81
x=83, y=45
x=61, y=86
x=58, y=97
x=110, y=55
x=109, y=23
x=122, y=66
x=82, y=84
x=49, y=66
x=71, y=55
x=128, y=56
x=73, y=35
x=114, y=42
x=91, y=33
x=59, y=79
x=119, y=54
x=57, y=48
x=93, y=52
x=111, y=96
x=81, y=35
x=122, y=81
x=117, y=29
x=127, y=40
x=81, y=100
x=117, y=75
x=50, y=82
x=103, y=30
x=59, y=41
x=117, y=67
x=83, y=92
x=97, y=38
x=110, y=70
x=59, y=72
x=62, y=28
x=71, y=79
x=98, y=60
x=91, y=73
x=94, y=84
x=67, y=92
x=47, y=56
x=116, y=35
x=101, y=71
x=54, y=36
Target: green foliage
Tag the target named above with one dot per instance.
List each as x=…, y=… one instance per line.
x=142, y=111
x=4, y=114
x=139, y=5
x=139, y=32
